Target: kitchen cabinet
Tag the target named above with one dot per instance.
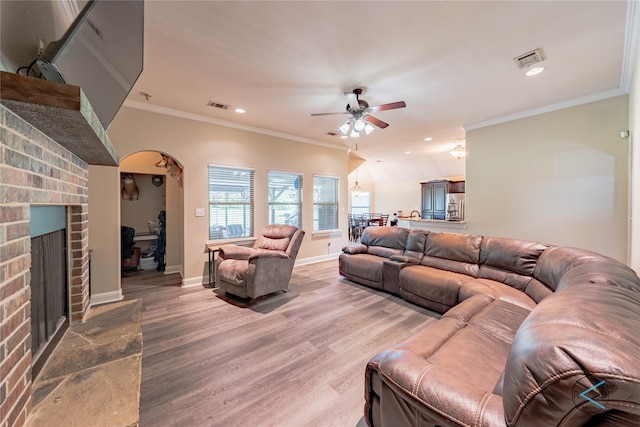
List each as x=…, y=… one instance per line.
x=456, y=187
x=434, y=199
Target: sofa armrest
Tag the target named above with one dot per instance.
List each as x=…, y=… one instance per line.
x=355, y=249
x=235, y=252
x=433, y=393
x=256, y=255
x=404, y=259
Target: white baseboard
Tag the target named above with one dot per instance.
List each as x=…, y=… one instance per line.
x=106, y=297
x=194, y=281
x=320, y=258
x=169, y=269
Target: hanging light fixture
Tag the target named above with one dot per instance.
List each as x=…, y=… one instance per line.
x=356, y=190
x=354, y=126
x=458, y=151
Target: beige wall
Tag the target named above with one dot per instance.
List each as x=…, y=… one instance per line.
x=634, y=140
x=195, y=144
x=104, y=233
x=392, y=197
x=559, y=178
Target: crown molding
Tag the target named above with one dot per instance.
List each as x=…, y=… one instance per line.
x=547, y=109
x=139, y=105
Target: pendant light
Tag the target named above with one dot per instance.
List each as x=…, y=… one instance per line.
x=356, y=190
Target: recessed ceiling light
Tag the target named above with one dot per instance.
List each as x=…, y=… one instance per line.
x=428, y=138
x=534, y=71
x=240, y=110
x=407, y=152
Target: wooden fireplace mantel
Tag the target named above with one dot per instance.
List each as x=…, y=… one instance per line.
x=62, y=112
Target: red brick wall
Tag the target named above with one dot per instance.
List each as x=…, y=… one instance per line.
x=33, y=170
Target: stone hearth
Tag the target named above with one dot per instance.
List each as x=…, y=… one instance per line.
x=93, y=376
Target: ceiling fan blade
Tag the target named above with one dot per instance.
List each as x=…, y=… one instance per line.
x=374, y=121
x=328, y=114
x=384, y=107
x=353, y=100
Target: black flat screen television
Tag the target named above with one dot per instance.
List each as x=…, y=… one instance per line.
x=102, y=52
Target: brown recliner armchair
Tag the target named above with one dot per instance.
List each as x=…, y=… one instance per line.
x=264, y=269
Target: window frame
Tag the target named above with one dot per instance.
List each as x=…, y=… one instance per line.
x=360, y=208
x=336, y=203
x=248, y=230
x=299, y=177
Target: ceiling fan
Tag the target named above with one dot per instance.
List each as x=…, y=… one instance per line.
x=361, y=120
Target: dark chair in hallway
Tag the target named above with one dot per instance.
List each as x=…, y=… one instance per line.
x=130, y=253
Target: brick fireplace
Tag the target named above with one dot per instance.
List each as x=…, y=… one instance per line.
x=34, y=170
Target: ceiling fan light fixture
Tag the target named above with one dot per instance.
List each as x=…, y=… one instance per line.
x=368, y=128
x=359, y=125
x=344, y=128
x=458, y=152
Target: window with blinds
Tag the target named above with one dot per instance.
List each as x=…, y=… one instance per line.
x=325, y=203
x=285, y=198
x=230, y=202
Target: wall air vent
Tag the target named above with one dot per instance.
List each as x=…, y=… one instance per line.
x=529, y=58
x=218, y=105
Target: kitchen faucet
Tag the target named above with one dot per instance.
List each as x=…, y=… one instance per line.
x=411, y=214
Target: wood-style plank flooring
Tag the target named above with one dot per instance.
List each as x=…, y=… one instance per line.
x=289, y=359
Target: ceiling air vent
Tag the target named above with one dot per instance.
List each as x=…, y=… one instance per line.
x=529, y=58
x=218, y=105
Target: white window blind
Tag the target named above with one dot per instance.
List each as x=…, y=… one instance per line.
x=230, y=202
x=361, y=203
x=325, y=203
x=285, y=198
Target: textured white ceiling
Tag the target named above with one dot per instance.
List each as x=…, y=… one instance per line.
x=451, y=62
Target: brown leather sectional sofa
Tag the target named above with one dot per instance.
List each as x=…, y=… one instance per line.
x=530, y=334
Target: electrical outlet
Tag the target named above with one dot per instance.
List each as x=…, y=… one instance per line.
x=41, y=46
x=199, y=212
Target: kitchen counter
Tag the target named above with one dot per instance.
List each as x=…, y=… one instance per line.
x=431, y=224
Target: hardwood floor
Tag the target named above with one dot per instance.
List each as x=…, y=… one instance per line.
x=289, y=359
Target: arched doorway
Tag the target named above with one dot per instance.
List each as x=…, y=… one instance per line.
x=151, y=183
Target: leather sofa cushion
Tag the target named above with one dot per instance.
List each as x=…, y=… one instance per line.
x=558, y=260
x=416, y=241
x=384, y=252
x=436, y=289
x=574, y=337
x=363, y=266
x=496, y=290
x=450, y=367
x=604, y=271
x=458, y=253
x=512, y=255
x=537, y=290
x=509, y=261
x=388, y=237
